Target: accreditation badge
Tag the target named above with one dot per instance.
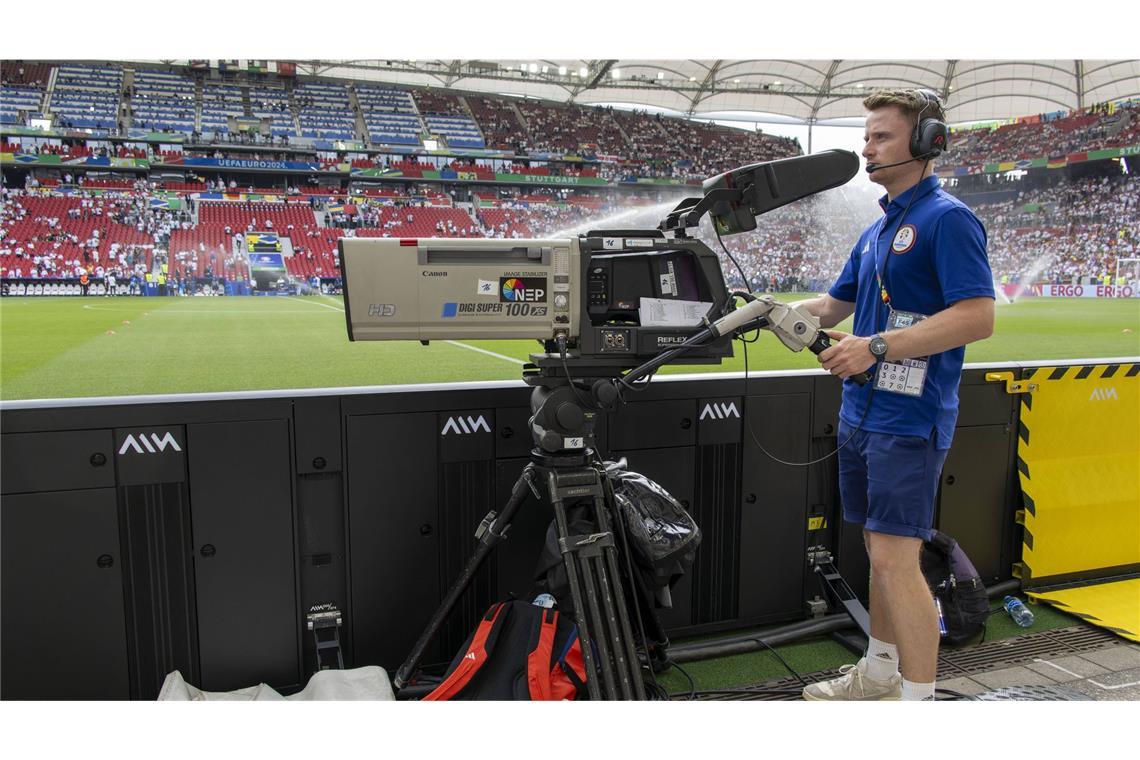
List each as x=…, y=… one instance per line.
x=905, y=376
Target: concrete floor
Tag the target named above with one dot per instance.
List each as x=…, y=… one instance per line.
x=1107, y=674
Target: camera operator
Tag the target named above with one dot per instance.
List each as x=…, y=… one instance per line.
x=919, y=284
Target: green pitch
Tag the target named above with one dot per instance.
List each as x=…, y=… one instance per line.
x=83, y=347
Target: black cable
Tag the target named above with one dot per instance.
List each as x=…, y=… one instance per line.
x=956, y=694
x=742, y=690
x=569, y=379
x=692, y=684
x=791, y=670
x=752, y=433
x=732, y=258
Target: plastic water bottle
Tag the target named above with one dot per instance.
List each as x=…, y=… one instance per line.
x=941, y=618
x=548, y=601
x=1018, y=611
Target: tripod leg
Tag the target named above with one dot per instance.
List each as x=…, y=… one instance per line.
x=491, y=531
x=654, y=640
x=628, y=662
x=597, y=622
x=613, y=629
x=575, y=592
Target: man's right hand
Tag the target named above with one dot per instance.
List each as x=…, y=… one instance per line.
x=848, y=354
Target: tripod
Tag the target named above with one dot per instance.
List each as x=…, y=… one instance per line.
x=564, y=463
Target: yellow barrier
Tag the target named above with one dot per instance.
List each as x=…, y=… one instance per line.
x=1079, y=463
x=1115, y=606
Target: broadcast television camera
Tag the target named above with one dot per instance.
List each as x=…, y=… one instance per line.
x=608, y=299
x=614, y=305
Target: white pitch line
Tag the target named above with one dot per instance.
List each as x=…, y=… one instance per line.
x=315, y=303
x=485, y=351
x=169, y=311
x=1078, y=675
x=510, y=359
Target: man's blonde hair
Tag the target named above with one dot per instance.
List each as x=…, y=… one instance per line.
x=910, y=102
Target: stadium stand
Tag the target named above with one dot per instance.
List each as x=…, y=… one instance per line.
x=498, y=120
x=389, y=115
x=1058, y=233
x=1092, y=129
x=439, y=102
x=256, y=216
x=446, y=115
x=87, y=98
x=458, y=131
x=23, y=73
x=571, y=129
x=273, y=103
x=52, y=237
x=325, y=111
x=18, y=99
x=219, y=103
x=1065, y=231
x=162, y=101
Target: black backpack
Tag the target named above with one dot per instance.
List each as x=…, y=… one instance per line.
x=519, y=651
x=958, y=589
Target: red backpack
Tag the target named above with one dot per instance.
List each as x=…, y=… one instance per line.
x=519, y=651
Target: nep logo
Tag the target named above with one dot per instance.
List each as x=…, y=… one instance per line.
x=529, y=289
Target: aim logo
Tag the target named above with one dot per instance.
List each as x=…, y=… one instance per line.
x=465, y=425
x=132, y=443
x=720, y=411
x=1104, y=394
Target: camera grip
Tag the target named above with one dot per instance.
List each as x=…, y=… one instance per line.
x=822, y=342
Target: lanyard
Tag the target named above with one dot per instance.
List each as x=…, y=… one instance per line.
x=884, y=296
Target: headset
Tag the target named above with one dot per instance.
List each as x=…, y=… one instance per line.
x=930, y=136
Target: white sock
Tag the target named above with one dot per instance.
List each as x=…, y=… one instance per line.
x=916, y=692
x=882, y=659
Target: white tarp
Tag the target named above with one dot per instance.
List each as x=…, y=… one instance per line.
x=367, y=683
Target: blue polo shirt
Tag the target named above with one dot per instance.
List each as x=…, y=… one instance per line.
x=937, y=258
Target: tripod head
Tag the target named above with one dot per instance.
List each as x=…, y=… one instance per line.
x=564, y=410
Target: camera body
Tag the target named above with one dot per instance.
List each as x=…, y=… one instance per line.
x=616, y=297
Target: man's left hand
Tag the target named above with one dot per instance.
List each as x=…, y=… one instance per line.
x=848, y=355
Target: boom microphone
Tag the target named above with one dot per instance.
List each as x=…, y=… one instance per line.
x=875, y=167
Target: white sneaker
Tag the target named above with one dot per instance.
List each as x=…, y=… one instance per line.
x=855, y=685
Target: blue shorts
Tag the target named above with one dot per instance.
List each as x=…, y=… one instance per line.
x=888, y=483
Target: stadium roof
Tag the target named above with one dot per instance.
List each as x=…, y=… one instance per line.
x=804, y=91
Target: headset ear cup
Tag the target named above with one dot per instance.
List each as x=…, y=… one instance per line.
x=929, y=139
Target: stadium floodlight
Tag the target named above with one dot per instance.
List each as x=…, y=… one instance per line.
x=616, y=73
x=534, y=68
x=660, y=74
x=561, y=71
x=583, y=71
